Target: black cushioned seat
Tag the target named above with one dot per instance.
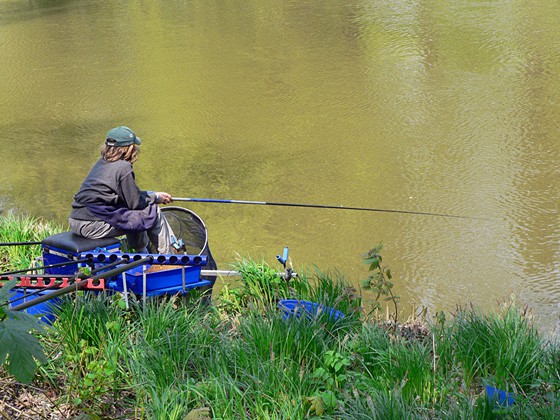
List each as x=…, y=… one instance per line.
x=67, y=241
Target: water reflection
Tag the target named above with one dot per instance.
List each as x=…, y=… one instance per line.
x=447, y=108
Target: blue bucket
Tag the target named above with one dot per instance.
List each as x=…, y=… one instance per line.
x=295, y=308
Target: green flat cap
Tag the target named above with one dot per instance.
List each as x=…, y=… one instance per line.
x=121, y=136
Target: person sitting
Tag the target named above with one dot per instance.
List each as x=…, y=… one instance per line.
x=110, y=204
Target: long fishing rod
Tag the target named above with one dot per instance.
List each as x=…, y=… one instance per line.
x=20, y=243
x=322, y=206
x=81, y=284
x=61, y=264
x=54, y=285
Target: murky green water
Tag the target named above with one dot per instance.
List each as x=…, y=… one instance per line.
x=447, y=107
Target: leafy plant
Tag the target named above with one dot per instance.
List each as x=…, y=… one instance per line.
x=333, y=373
x=19, y=348
x=322, y=402
x=331, y=377
x=379, y=280
x=92, y=376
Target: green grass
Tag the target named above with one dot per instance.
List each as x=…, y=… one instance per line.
x=17, y=228
x=167, y=359
x=406, y=366
x=502, y=349
x=240, y=358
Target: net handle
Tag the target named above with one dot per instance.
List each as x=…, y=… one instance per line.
x=193, y=215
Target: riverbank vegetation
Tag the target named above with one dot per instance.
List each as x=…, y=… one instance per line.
x=240, y=356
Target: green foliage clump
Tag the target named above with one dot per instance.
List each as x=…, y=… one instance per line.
x=19, y=348
x=92, y=346
x=504, y=348
x=259, y=287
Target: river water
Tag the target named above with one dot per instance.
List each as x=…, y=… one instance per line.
x=439, y=107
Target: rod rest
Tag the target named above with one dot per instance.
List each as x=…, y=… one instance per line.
x=157, y=259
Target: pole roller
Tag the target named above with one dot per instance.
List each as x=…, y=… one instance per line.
x=161, y=259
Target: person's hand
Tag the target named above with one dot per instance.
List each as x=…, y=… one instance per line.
x=163, y=198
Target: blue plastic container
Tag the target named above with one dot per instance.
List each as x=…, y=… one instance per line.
x=159, y=281
x=502, y=398
x=44, y=309
x=295, y=308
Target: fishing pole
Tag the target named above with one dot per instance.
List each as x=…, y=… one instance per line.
x=322, y=206
x=61, y=264
x=19, y=243
x=54, y=285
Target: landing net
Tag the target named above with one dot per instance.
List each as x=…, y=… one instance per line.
x=191, y=229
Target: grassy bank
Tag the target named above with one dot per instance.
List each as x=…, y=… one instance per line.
x=241, y=357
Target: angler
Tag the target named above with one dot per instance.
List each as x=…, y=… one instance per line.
x=110, y=204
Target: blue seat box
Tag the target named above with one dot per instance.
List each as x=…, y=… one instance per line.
x=65, y=247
